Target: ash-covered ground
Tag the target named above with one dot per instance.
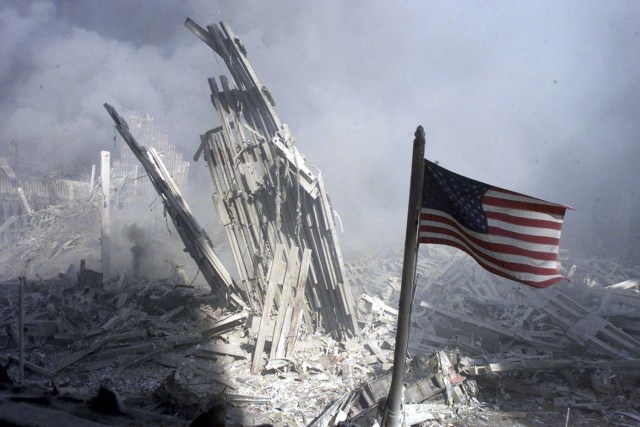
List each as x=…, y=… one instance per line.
x=135, y=351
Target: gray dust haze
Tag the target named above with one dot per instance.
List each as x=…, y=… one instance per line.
x=140, y=245
x=538, y=97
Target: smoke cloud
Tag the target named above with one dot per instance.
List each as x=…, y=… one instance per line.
x=541, y=98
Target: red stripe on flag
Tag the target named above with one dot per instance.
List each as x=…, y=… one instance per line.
x=527, y=222
x=495, y=247
x=513, y=266
x=535, y=284
x=543, y=240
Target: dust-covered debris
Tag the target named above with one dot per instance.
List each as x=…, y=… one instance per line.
x=138, y=337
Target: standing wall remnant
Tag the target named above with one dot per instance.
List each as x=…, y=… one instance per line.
x=265, y=193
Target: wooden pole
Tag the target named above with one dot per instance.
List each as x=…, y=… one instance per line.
x=394, y=402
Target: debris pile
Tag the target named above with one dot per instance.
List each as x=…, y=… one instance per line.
x=434, y=390
x=167, y=350
x=573, y=345
x=23, y=193
x=81, y=332
x=164, y=350
x=460, y=306
x=485, y=315
x=43, y=242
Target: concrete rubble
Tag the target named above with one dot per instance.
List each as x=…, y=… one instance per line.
x=297, y=337
x=573, y=345
x=170, y=354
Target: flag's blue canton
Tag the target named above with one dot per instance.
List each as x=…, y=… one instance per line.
x=455, y=195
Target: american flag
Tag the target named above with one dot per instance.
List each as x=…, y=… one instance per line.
x=509, y=234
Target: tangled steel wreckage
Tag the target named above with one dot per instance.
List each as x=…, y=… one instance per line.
x=282, y=341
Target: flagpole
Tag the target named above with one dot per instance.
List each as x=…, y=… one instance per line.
x=394, y=402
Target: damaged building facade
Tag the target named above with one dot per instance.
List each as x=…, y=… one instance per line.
x=266, y=194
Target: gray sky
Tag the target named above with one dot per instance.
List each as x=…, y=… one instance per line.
x=538, y=97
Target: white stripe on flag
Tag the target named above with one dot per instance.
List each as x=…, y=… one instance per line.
x=531, y=277
x=496, y=192
x=503, y=256
x=523, y=214
x=532, y=231
x=491, y=238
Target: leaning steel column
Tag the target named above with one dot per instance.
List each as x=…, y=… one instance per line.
x=105, y=217
x=394, y=402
